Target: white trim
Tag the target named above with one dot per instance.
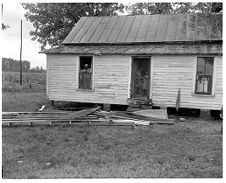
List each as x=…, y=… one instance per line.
x=151, y=78
x=78, y=69
x=129, y=79
x=150, y=70
x=215, y=63
x=214, y=76
x=93, y=70
x=194, y=75
x=47, y=77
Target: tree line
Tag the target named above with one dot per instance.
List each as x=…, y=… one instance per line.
x=9, y=64
x=54, y=21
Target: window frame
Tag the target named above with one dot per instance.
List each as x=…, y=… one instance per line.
x=196, y=74
x=92, y=75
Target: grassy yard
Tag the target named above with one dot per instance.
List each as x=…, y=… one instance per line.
x=187, y=149
x=22, y=101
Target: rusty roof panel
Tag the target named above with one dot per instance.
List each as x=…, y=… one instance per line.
x=201, y=27
x=83, y=30
x=213, y=24
x=181, y=27
x=191, y=27
x=117, y=28
x=99, y=30
x=171, y=28
x=143, y=29
x=219, y=24
x=91, y=30
x=134, y=28
x=125, y=29
x=152, y=29
x=75, y=30
x=162, y=28
x=107, y=31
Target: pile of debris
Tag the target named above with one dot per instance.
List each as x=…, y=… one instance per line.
x=91, y=116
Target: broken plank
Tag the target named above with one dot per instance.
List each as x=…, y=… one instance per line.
x=80, y=113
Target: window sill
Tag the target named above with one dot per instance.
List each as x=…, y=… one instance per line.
x=203, y=95
x=85, y=90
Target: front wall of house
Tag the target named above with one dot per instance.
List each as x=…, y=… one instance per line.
x=112, y=80
x=173, y=72
x=111, y=77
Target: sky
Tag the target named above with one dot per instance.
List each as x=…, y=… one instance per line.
x=13, y=13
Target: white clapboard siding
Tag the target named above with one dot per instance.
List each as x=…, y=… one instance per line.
x=111, y=78
x=173, y=72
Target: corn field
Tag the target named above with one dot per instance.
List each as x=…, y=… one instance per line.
x=35, y=82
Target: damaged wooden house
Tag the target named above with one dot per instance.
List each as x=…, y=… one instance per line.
x=112, y=59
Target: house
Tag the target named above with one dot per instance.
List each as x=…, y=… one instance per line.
x=113, y=58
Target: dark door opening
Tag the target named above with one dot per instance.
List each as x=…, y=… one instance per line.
x=140, y=77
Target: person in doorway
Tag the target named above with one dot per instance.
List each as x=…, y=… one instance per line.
x=86, y=68
x=145, y=86
x=138, y=83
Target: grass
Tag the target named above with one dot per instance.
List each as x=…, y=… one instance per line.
x=22, y=102
x=191, y=149
x=188, y=149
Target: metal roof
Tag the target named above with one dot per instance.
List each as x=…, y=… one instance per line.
x=153, y=49
x=146, y=28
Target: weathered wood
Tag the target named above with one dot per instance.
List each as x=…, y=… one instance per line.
x=107, y=72
x=80, y=113
x=173, y=72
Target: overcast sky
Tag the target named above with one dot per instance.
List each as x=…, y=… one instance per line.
x=12, y=14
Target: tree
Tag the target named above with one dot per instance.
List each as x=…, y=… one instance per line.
x=53, y=21
x=9, y=64
x=166, y=8
x=149, y=8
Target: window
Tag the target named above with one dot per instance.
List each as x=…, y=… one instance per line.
x=85, y=73
x=204, y=75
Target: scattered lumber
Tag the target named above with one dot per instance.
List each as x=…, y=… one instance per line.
x=80, y=113
x=155, y=113
x=90, y=116
x=152, y=120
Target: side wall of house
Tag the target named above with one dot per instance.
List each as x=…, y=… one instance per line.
x=173, y=72
x=110, y=79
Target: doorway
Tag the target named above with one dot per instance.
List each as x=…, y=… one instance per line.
x=140, y=77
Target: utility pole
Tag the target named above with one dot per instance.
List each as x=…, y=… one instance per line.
x=20, y=52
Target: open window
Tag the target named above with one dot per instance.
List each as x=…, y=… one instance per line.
x=204, y=76
x=85, y=72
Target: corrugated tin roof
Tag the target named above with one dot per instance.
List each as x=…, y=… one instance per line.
x=146, y=28
x=154, y=49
